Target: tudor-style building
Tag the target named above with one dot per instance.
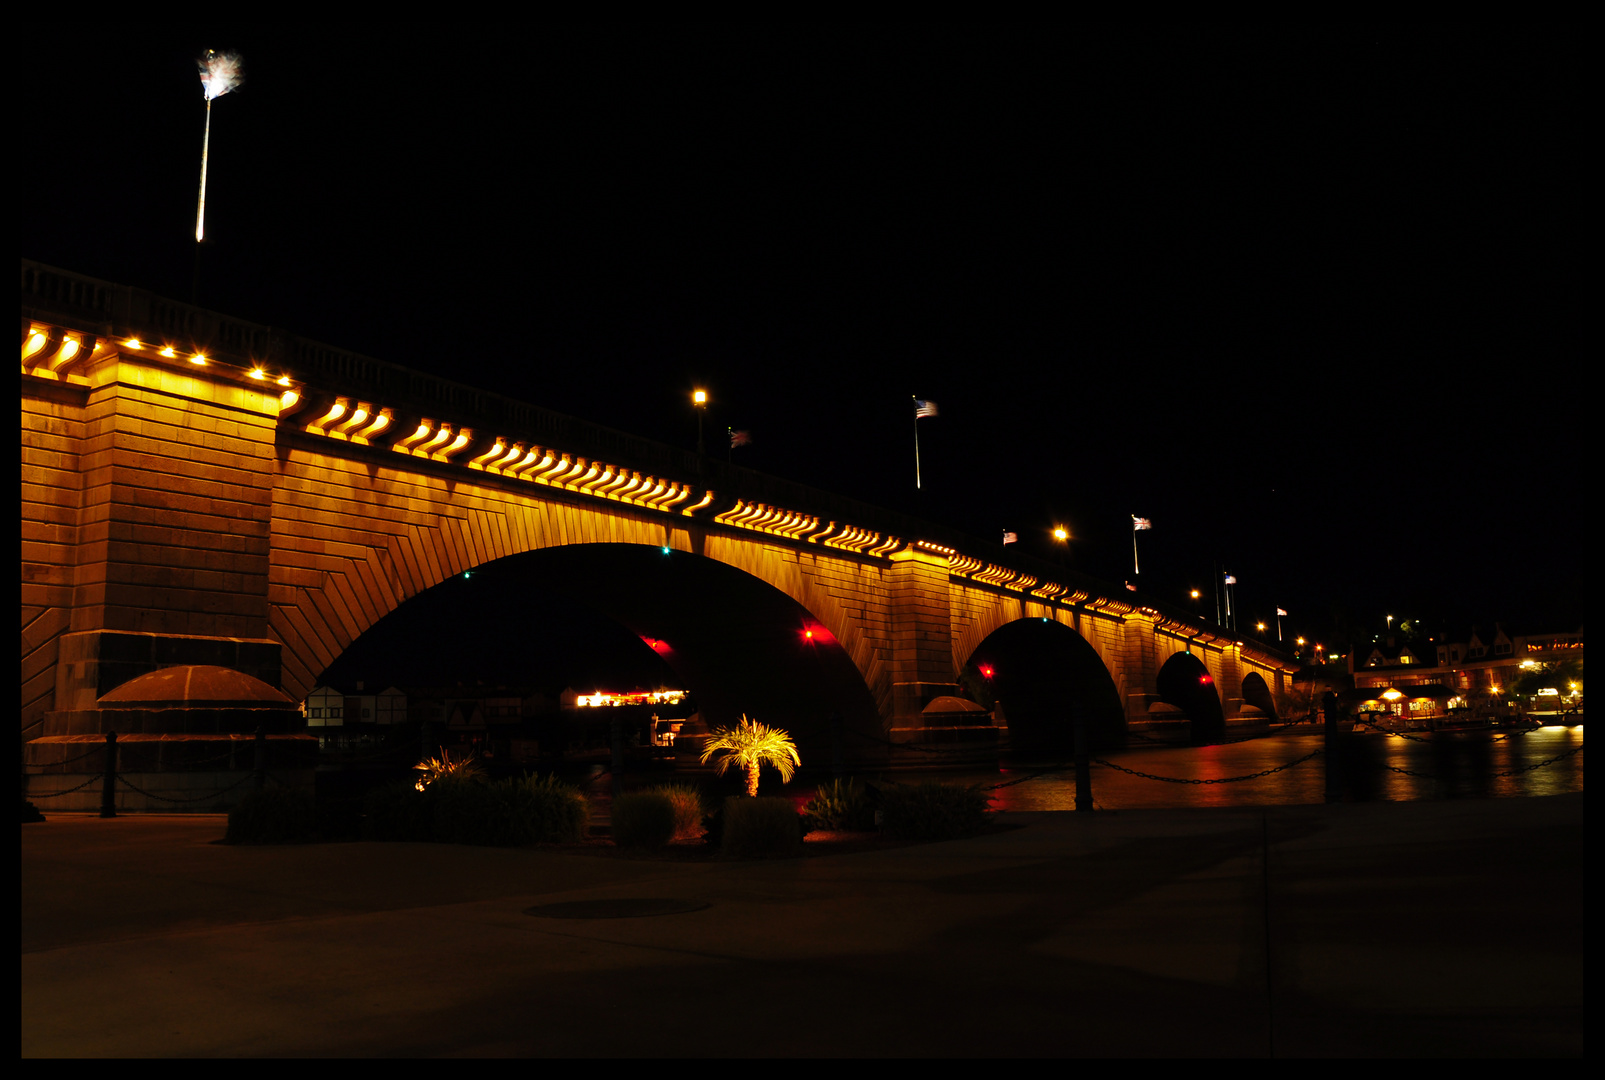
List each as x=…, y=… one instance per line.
x=1472, y=671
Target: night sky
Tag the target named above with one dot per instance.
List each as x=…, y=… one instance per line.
x=1310, y=301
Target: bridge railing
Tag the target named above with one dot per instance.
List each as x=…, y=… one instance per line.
x=120, y=311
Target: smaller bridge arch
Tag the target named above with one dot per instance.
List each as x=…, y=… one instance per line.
x=1048, y=678
x=1187, y=684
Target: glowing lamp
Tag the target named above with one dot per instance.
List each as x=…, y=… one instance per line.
x=1061, y=533
x=168, y=352
x=133, y=343
x=699, y=397
x=258, y=374
x=284, y=380
x=1391, y=695
x=1204, y=680
x=198, y=359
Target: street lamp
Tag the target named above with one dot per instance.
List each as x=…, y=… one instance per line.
x=699, y=399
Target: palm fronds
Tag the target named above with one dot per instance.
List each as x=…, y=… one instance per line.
x=750, y=745
x=443, y=768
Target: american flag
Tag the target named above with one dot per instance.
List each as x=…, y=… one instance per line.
x=1010, y=538
x=924, y=408
x=740, y=438
x=1230, y=580
x=1140, y=523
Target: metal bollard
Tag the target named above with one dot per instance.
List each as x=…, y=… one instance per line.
x=108, y=788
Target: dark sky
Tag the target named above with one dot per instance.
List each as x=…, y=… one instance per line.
x=1308, y=300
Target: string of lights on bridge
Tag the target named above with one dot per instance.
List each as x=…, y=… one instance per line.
x=51, y=352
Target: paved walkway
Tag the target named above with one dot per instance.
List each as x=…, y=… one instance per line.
x=1431, y=928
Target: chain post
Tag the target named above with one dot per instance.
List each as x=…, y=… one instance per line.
x=108, y=789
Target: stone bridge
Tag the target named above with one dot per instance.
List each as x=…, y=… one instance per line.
x=201, y=490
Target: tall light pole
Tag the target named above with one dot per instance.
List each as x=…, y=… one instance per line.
x=699, y=399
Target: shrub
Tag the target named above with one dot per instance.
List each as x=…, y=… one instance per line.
x=554, y=812
x=272, y=816
x=687, y=802
x=760, y=827
x=842, y=804
x=934, y=811
x=469, y=812
x=642, y=819
x=456, y=810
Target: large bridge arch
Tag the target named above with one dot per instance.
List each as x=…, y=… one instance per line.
x=738, y=644
x=352, y=541
x=1048, y=678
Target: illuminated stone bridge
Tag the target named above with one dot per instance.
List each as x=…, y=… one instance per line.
x=201, y=490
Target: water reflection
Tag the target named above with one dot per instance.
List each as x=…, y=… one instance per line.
x=1460, y=765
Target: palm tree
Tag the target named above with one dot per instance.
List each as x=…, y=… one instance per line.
x=750, y=744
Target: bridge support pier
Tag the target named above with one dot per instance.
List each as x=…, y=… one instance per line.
x=922, y=638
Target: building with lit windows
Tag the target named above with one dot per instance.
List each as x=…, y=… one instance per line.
x=1467, y=673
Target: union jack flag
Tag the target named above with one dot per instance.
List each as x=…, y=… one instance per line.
x=924, y=408
x=1140, y=523
x=1282, y=613
x=740, y=438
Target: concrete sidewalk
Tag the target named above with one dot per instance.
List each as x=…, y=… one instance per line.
x=1431, y=928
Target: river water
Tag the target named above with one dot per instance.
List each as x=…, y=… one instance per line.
x=1462, y=765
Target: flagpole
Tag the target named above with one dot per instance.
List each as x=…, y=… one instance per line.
x=1134, y=570
x=1217, y=592
x=916, y=441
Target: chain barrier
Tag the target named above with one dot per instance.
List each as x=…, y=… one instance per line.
x=52, y=794
x=96, y=749
x=1492, y=776
x=1217, y=780
x=232, y=750
x=200, y=798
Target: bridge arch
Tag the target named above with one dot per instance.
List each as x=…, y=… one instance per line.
x=1257, y=693
x=1187, y=684
x=738, y=644
x=351, y=541
x=1047, y=677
